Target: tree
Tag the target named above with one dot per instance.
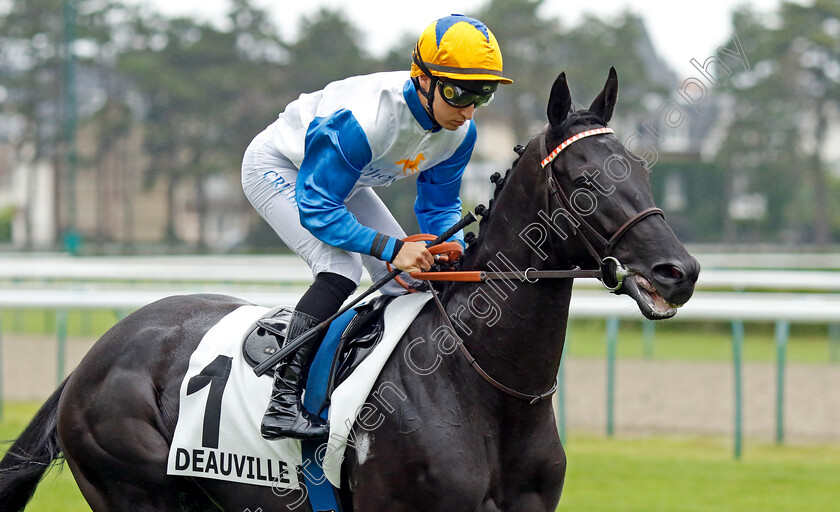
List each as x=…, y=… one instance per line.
x=536, y=49
x=596, y=44
x=531, y=56
x=783, y=107
x=30, y=51
x=33, y=55
x=329, y=49
x=202, y=100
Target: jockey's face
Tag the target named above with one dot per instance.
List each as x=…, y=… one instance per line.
x=449, y=117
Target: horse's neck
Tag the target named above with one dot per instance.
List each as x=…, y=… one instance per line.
x=515, y=329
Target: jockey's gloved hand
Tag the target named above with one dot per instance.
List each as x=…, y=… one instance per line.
x=414, y=257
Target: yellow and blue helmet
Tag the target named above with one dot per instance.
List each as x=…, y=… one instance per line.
x=459, y=48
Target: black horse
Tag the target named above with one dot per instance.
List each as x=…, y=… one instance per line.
x=448, y=440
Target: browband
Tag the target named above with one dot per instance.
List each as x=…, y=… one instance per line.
x=573, y=138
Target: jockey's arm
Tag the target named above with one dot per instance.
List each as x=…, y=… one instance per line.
x=336, y=149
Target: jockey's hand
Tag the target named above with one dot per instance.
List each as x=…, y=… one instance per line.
x=414, y=257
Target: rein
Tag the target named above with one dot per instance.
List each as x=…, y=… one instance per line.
x=531, y=399
x=529, y=275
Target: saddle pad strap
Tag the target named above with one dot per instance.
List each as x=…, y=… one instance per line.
x=319, y=371
x=321, y=493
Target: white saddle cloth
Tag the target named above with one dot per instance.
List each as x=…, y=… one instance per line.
x=218, y=431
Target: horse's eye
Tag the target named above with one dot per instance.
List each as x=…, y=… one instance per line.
x=583, y=182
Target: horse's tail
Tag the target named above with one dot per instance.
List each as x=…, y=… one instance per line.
x=30, y=456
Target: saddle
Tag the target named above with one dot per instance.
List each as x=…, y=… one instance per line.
x=266, y=336
x=357, y=340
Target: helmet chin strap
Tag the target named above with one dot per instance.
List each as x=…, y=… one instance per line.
x=430, y=94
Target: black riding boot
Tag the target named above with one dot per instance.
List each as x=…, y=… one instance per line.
x=286, y=416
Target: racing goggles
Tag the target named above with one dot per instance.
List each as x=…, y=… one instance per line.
x=460, y=97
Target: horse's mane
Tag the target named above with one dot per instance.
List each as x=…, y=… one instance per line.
x=575, y=118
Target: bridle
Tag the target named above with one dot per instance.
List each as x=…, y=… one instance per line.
x=609, y=268
x=613, y=272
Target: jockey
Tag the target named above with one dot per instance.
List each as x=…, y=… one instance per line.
x=310, y=173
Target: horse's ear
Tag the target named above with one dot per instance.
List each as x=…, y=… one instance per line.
x=560, y=101
x=605, y=102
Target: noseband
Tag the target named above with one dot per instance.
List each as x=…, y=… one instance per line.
x=611, y=268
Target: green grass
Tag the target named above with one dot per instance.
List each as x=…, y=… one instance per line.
x=58, y=490
x=620, y=475
x=696, y=474
x=700, y=342
x=90, y=323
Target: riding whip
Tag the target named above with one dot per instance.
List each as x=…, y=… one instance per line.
x=291, y=346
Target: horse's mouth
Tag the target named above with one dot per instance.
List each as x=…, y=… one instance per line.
x=650, y=301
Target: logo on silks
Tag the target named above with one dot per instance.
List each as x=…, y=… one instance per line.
x=410, y=166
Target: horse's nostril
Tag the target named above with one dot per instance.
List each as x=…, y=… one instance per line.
x=669, y=272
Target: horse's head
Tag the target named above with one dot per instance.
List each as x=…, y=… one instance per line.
x=582, y=199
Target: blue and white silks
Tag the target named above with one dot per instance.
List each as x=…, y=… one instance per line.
x=370, y=131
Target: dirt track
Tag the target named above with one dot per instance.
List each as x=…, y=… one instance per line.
x=651, y=396
x=698, y=398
